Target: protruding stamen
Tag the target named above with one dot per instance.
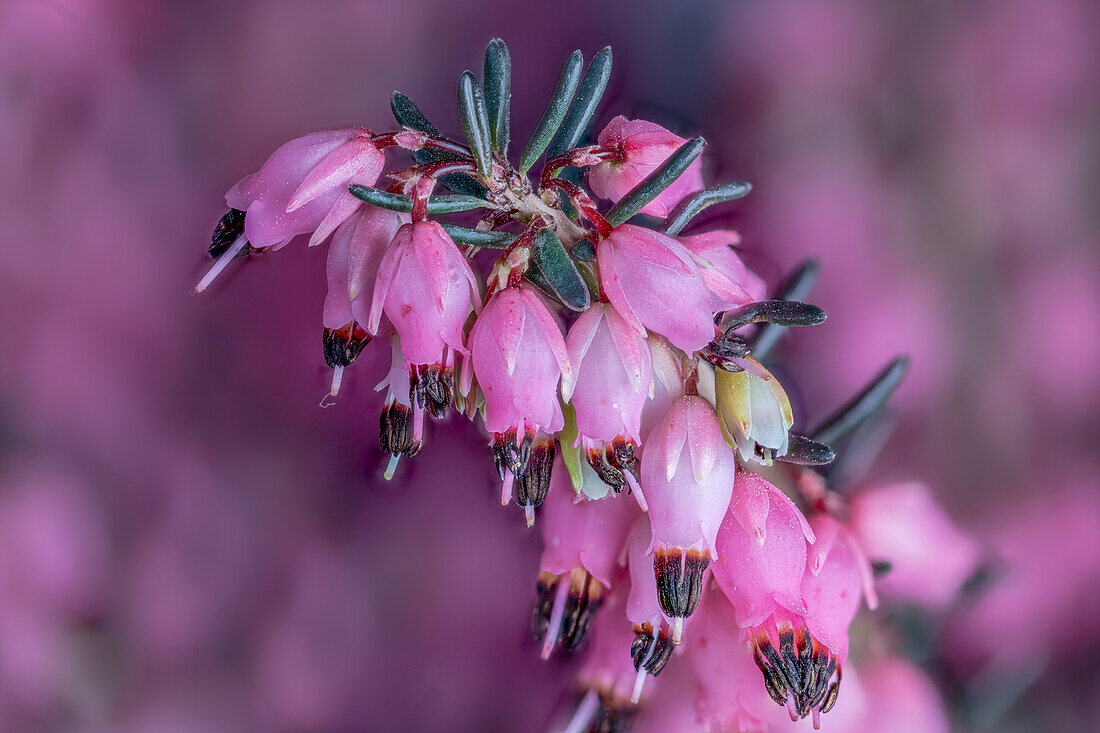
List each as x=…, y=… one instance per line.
x=391, y=467
x=506, y=491
x=529, y=514
x=677, y=629
x=337, y=378
x=639, y=682
x=590, y=705
x=556, y=614
x=221, y=263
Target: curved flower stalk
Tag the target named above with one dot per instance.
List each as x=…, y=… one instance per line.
x=634, y=351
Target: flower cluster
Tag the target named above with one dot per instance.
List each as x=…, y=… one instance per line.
x=615, y=365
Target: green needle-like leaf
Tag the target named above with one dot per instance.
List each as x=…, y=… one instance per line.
x=558, y=271
x=693, y=206
x=408, y=114
x=584, y=106
x=656, y=182
x=555, y=112
x=797, y=287
x=850, y=416
x=475, y=120
x=498, y=93
x=479, y=238
x=398, y=202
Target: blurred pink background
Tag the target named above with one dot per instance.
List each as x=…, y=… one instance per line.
x=188, y=543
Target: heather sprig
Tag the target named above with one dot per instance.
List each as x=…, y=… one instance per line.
x=616, y=366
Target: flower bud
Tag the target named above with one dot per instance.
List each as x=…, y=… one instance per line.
x=654, y=283
x=642, y=146
x=518, y=356
x=755, y=412
x=302, y=187
x=687, y=479
x=611, y=382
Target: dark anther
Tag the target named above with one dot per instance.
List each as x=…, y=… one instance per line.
x=509, y=456
x=226, y=232
x=342, y=345
x=679, y=579
x=533, y=484
x=432, y=386
x=650, y=652
x=584, y=600
x=800, y=670
x=395, y=435
x=613, y=716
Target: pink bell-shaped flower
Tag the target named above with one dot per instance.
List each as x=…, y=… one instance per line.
x=654, y=283
x=930, y=558
x=302, y=187
x=837, y=575
x=642, y=146
x=399, y=434
x=427, y=290
x=607, y=674
x=687, y=478
x=351, y=266
x=582, y=541
x=653, y=643
x=519, y=356
x=761, y=566
x=728, y=692
x=722, y=269
x=612, y=376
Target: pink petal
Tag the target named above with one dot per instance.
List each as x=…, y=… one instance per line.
x=386, y=271
x=577, y=342
x=508, y=322
x=609, y=278
x=552, y=332
x=629, y=346
x=336, y=167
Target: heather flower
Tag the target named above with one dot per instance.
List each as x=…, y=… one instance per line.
x=582, y=541
x=611, y=381
x=761, y=563
x=728, y=693
x=302, y=187
x=687, y=479
x=837, y=575
x=521, y=402
x=427, y=290
x=653, y=643
x=928, y=556
x=351, y=266
x=641, y=147
x=721, y=267
x=755, y=412
x=655, y=284
x=399, y=433
x=607, y=674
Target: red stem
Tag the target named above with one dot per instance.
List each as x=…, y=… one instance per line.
x=584, y=204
